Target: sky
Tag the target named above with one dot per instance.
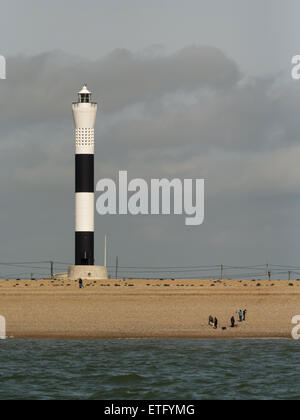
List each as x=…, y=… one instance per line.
x=187, y=89
x=256, y=33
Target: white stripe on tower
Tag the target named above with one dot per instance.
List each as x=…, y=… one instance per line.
x=84, y=218
x=84, y=112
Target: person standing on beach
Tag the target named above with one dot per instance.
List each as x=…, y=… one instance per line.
x=244, y=315
x=241, y=315
x=232, y=322
x=80, y=284
x=210, y=321
x=216, y=323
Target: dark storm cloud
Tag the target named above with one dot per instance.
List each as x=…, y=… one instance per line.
x=244, y=117
x=160, y=114
x=187, y=114
x=156, y=108
x=37, y=87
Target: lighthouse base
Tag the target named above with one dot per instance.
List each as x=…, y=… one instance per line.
x=87, y=272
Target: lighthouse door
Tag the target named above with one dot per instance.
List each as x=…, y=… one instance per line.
x=85, y=259
x=84, y=251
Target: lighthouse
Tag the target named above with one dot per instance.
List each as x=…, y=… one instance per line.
x=84, y=114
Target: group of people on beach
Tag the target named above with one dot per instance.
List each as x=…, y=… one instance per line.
x=214, y=322
x=241, y=315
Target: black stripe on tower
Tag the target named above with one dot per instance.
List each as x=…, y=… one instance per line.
x=84, y=173
x=84, y=183
x=84, y=248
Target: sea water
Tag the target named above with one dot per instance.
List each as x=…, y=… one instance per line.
x=150, y=369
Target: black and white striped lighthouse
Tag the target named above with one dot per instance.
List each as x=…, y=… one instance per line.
x=84, y=112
